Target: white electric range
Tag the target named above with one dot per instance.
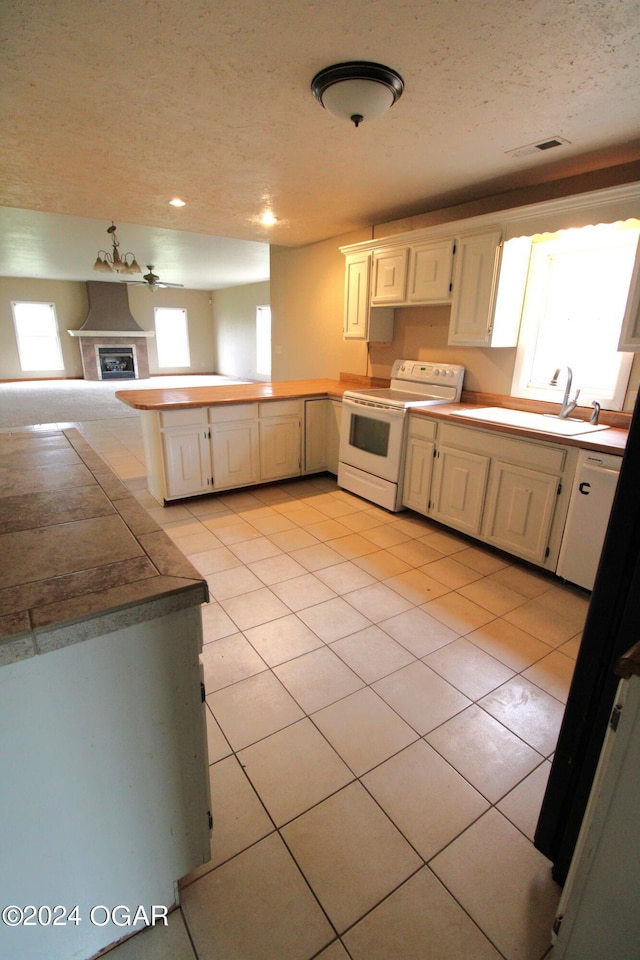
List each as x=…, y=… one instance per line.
x=374, y=427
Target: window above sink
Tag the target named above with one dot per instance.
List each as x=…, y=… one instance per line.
x=574, y=303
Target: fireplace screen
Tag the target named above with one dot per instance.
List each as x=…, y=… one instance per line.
x=117, y=363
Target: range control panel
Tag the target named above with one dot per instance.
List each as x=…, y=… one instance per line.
x=418, y=371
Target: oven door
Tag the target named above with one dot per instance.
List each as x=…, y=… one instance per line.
x=372, y=438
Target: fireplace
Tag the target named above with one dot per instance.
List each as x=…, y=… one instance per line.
x=117, y=363
x=112, y=345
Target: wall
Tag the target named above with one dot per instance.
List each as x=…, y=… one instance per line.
x=307, y=296
x=234, y=328
x=421, y=333
x=198, y=306
x=72, y=306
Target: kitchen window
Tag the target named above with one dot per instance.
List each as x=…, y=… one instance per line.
x=574, y=302
x=37, y=336
x=172, y=337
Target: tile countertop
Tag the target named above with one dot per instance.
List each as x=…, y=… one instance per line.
x=612, y=440
x=81, y=556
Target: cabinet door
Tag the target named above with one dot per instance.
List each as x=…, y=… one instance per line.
x=235, y=454
x=187, y=461
x=630, y=333
x=279, y=448
x=460, y=482
x=315, y=435
x=356, y=296
x=430, y=267
x=417, y=474
x=389, y=276
x=474, y=289
x=520, y=507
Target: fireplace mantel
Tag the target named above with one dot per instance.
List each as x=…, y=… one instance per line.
x=111, y=333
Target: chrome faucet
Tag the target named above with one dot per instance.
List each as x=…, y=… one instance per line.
x=567, y=405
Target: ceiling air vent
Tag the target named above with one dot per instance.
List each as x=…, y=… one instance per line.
x=540, y=147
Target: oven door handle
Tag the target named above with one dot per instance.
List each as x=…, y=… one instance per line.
x=370, y=406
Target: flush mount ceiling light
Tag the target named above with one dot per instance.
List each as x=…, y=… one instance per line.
x=357, y=90
x=108, y=262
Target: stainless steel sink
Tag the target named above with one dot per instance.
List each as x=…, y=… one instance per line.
x=543, y=422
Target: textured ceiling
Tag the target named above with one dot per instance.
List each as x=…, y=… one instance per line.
x=112, y=108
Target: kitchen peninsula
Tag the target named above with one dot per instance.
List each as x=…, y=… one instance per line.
x=206, y=439
x=105, y=789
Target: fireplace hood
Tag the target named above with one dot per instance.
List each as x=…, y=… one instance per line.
x=109, y=314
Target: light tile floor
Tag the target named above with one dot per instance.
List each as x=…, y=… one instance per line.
x=383, y=699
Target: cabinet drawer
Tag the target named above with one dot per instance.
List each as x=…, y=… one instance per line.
x=541, y=456
x=419, y=427
x=183, y=418
x=281, y=408
x=233, y=412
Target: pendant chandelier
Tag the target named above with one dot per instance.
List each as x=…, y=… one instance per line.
x=112, y=262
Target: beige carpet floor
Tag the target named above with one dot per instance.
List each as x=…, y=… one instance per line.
x=25, y=403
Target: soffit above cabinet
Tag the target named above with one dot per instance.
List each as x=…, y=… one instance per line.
x=600, y=206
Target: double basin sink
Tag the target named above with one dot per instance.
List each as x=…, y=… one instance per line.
x=542, y=422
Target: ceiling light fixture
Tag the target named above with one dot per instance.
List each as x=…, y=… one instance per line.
x=177, y=202
x=108, y=262
x=267, y=219
x=357, y=90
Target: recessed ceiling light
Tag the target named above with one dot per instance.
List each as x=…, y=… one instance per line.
x=177, y=202
x=267, y=219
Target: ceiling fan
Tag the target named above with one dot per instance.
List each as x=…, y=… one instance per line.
x=152, y=280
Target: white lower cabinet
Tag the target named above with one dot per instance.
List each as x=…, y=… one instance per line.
x=188, y=461
x=460, y=481
x=185, y=453
x=280, y=439
x=322, y=419
x=519, y=510
x=510, y=492
x=235, y=451
x=418, y=468
x=236, y=454
x=202, y=450
x=279, y=448
x=316, y=428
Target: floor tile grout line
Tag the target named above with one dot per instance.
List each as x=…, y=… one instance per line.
x=492, y=806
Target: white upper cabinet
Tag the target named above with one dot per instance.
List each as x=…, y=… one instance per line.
x=630, y=333
x=356, y=296
x=389, y=275
x=430, y=269
x=475, y=281
x=361, y=320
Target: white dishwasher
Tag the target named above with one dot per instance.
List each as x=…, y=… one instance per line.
x=592, y=495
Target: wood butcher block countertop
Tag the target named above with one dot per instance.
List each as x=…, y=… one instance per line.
x=612, y=440
x=178, y=398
